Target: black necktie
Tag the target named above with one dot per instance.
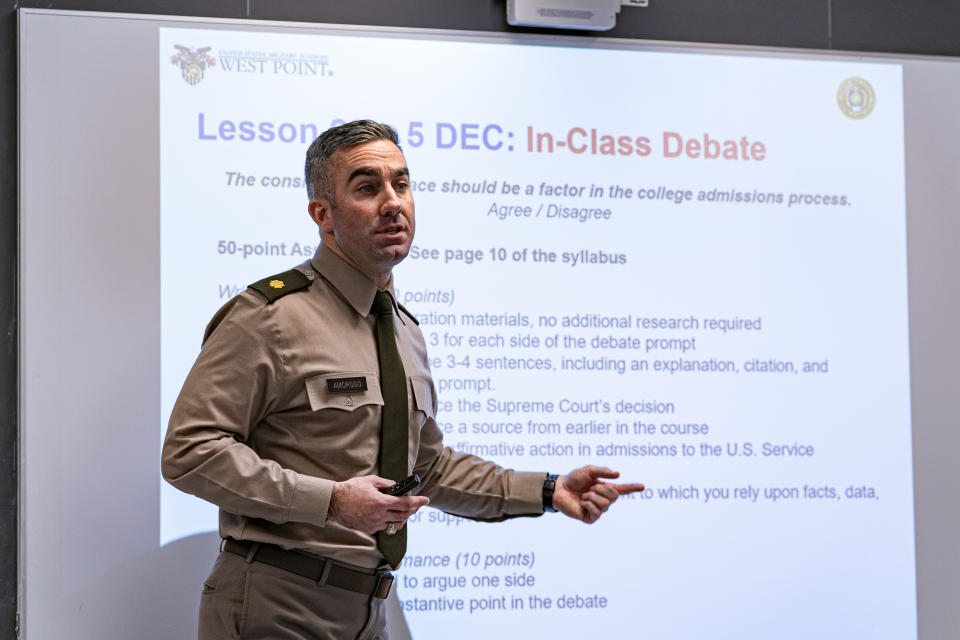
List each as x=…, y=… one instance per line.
x=394, y=418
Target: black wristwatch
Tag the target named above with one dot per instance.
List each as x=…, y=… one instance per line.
x=548, y=486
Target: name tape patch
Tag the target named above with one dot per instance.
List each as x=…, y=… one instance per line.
x=346, y=385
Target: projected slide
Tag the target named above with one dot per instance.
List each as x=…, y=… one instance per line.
x=689, y=268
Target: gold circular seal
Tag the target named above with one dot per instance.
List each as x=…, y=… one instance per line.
x=856, y=98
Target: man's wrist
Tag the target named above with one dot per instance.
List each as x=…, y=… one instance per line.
x=336, y=494
x=549, y=486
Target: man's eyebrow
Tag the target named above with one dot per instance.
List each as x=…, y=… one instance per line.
x=363, y=171
x=373, y=173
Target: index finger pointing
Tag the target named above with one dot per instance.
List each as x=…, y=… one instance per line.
x=628, y=487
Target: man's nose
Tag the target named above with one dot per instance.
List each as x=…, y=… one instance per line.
x=392, y=203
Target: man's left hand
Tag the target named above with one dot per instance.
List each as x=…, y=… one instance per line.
x=582, y=494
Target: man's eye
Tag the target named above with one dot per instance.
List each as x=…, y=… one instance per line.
x=402, y=186
x=365, y=188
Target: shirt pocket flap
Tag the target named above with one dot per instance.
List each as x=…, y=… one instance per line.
x=423, y=396
x=344, y=390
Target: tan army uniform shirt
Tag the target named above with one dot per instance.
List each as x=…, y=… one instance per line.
x=257, y=432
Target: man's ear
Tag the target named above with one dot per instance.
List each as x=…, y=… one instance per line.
x=320, y=211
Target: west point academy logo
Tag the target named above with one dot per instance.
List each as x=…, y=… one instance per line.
x=194, y=63
x=856, y=98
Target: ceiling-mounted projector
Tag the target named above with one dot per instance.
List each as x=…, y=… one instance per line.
x=596, y=15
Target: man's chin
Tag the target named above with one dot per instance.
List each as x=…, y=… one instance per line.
x=400, y=252
x=398, y=244
x=393, y=254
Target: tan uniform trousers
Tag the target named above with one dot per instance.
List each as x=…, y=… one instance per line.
x=256, y=601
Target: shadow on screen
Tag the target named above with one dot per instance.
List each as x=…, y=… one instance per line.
x=155, y=596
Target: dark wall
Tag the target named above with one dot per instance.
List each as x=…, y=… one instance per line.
x=930, y=27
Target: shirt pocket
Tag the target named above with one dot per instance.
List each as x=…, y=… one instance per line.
x=424, y=398
x=344, y=390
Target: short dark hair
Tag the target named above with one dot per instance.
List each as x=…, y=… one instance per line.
x=317, y=172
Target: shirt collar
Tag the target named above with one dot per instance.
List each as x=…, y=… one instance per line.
x=357, y=289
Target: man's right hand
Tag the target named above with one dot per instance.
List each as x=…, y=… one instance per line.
x=358, y=504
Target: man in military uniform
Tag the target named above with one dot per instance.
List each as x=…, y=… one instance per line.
x=285, y=421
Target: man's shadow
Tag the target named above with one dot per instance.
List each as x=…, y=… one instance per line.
x=155, y=596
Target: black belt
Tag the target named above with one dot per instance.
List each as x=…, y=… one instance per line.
x=321, y=570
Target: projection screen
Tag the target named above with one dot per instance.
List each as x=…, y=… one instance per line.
x=687, y=263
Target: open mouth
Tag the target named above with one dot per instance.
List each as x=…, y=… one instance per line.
x=392, y=230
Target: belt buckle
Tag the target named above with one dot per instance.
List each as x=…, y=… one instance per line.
x=384, y=582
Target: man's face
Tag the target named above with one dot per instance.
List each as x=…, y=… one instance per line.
x=370, y=220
